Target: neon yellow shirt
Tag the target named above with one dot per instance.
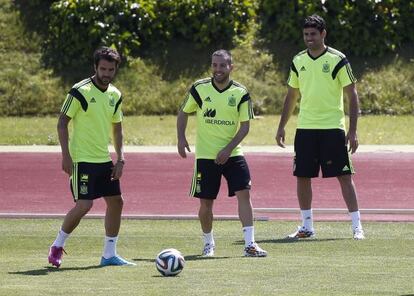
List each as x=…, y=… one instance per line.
x=219, y=113
x=321, y=81
x=92, y=112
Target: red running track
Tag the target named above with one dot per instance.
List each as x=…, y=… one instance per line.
x=158, y=184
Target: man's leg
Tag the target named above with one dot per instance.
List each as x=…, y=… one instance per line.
x=251, y=248
x=114, y=205
x=74, y=216
x=304, y=193
x=351, y=200
x=245, y=207
x=71, y=221
x=205, y=214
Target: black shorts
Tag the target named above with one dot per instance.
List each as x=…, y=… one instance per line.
x=93, y=180
x=325, y=149
x=207, y=177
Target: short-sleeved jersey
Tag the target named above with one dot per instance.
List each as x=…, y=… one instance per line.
x=92, y=112
x=219, y=113
x=321, y=81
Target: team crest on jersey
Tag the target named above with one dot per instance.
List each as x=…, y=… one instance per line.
x=232, y=101
x=111, y=101
x=326, y=68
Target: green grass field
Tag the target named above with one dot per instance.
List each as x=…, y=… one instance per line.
x=161, y=130
x=331, y=264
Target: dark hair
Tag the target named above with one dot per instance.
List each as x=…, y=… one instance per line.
x=223, y=53
x=314, y=21
x=106, y=53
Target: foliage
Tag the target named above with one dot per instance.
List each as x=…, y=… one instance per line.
x=379, y=96
x=76, y=28
x=364, y=28
x=26, y=88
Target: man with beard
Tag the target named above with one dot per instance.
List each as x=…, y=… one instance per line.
x=94, y=106
x=320, y=75
x=223, y=109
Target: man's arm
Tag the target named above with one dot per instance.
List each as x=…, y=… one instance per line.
x=118, y=140
x=352, y=94
x=63, y=134
x=225, y=153
x=288, y=107
x=182, y=143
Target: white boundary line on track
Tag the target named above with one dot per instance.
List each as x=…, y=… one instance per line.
x=172, y=149
x=337, y=211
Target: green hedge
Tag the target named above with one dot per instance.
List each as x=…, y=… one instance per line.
x=76, y=28
x=363, y=28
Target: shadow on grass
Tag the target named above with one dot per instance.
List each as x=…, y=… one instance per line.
x=293, y=240
x=49, y=269
x=187, y=258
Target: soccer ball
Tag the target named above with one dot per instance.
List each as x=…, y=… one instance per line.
x=169, y=262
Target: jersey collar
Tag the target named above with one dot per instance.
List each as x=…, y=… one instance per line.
x=102, y=90
x=221, y=90
x=315, y=58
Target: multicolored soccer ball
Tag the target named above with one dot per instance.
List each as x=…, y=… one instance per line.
x=170, y=262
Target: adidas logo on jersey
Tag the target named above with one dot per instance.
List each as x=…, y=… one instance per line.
x=345, y=169
x=207, y=99
x=93, y=100
x=303, y=68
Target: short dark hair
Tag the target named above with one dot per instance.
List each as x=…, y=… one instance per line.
x=106, y=53
x=223, y=53
x=314, y=21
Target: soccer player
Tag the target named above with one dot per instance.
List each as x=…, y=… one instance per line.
x=319, y=76
x=223, y=108
x=94, y=106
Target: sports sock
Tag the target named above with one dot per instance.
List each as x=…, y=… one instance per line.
x=248, y=233
x=208, y=238
x=110, y=247
x=60, y=238
x=307, y=219
x=356, y=220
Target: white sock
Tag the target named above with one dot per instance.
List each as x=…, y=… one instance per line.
x=60, y=238
x=248, y=233
x=356, y=220
x=208, y=238
x=307, y=219
x=110, y=247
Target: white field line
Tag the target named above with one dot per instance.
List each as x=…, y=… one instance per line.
x=337, y=211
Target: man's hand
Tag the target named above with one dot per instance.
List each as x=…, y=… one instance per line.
x=182, y=145
x=223, y=156
x=67, y=164
x=117, y=170
x=352, y=140
x=280, y=137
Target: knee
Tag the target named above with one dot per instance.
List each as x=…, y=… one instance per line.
x=206, y=208
x=84, y=206
x=115, y=202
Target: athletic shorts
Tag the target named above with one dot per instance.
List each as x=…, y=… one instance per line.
x=319, y=148
x=93, y=180
x=207, y=177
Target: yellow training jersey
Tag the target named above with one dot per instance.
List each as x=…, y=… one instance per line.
x=92, y=112
x=219, y=113
x=321, y=81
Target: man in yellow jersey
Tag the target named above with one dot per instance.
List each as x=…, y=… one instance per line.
x=319, y=76
x=223, y=109
x=94, y=107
